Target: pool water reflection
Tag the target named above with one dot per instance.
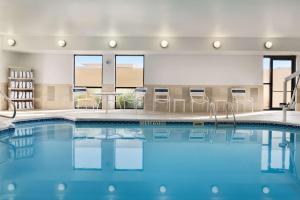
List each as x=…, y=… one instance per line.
x=64, y=160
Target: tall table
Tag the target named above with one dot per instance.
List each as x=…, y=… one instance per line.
x=105, y=95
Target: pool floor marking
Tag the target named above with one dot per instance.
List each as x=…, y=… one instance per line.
x=151, y=123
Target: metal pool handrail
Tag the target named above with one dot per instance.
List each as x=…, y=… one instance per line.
x=292, y=104
x=212, y=110
x=11, y=104
x=230, y=104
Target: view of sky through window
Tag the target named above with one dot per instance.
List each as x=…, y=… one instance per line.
x=81, y=61
x=136, y=61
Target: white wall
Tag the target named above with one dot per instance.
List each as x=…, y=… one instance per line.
x=50, y=68
x=7, y=59
x=2, y=68
x=159, y=69
x=203, y=70
x=1, y=62
x=58, y=68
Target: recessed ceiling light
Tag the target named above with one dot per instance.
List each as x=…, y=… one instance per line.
x=112, y=44
x=11, y=187
x=164, y=43
x=266, y=190
x=268, y=45
x=163, y=189
x=217, y=44
x=215, y=189
x=111, y=188
x=11, y=42
x=61, y=43
x=61, y=187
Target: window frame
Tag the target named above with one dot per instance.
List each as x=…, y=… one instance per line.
x=74, y=85
x=116, y=69
x=293, y=60
x=116, y=55
x=74, y=67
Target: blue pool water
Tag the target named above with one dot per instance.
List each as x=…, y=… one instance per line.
x=65, y=160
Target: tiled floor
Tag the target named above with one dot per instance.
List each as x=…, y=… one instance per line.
x=273, y=116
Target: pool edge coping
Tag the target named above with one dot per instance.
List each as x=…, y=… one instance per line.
x=11, y=125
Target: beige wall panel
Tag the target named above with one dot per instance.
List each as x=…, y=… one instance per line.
x=108, y=88
x=48, y=97
x=3, y=103
x=111, y=100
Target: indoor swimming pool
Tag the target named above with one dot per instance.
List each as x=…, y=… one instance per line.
x=58, y=159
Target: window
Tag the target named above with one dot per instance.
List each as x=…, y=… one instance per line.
x=275, y=70
x=275, y=153
x=87, y=74
x=129, y=75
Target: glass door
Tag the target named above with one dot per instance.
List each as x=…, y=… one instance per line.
x=276, y=69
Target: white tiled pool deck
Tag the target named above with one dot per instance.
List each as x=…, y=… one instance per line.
x=124, y=115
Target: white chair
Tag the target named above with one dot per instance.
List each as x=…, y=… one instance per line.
x=161, y=96
x=81, y=97
x=198, y=96
x=138, y=96
x=239, y=96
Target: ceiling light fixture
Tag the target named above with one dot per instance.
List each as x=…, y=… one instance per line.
x=11, y=42
x=217, y=44
x=11, y=187
x=112, y=44
x=266, y=190
x=62, y=43
x=163, y=189
x=164, y=43
x=268, y=45
x=111, y=188
x=61, y=187
x=215, y=189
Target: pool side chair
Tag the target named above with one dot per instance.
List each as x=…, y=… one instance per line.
x=83, y=98
x=161, y=96
x=198, y=97
x=239, y=95
x=140, y=96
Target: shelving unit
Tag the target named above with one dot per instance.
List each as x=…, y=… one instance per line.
x=21, y=88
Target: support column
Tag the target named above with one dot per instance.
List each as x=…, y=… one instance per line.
x=109, y=78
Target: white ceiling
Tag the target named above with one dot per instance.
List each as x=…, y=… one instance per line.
x=186, y=18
